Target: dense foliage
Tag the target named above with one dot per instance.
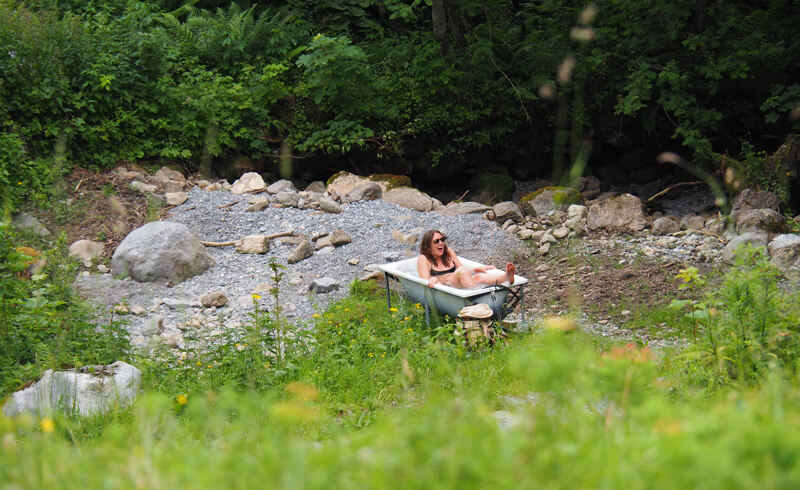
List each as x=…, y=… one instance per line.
x=417, y=81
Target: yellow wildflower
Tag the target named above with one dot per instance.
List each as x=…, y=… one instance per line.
x=47, y=425
x=255, y=296
x=393, y=310
x=182, y=399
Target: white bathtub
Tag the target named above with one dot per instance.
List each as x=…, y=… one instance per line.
x=449, y=300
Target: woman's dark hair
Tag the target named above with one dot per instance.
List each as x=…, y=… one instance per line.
x=425, y=248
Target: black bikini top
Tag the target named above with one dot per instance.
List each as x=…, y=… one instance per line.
x=441, y=273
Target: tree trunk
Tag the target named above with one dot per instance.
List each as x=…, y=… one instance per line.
x=439, y=21
x=207, y=159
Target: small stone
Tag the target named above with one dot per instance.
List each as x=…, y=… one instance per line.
x=214, y=298
x=259, y=203
x=329, y=205
x=253, y=244
x=86, y=250
x=173, y=339
x=296, y=281
x=121, y=309
x=545, y=248
x=138, y=310
x=142, y=187
x=404, y=238
x=153, y=326
x=303, y=251
x=176, y=198
x=561, y=232
x=525, y=234
x=323, y=242
x=323, y=285
x=353, y=261
x=548, y=238
x=103, y=269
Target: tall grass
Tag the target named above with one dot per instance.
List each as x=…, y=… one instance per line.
x=376, y=400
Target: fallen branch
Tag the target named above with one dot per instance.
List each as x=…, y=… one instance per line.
x=233, y=242
x=679, y=184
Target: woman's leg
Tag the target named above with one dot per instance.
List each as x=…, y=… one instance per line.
x=461, y=278
x=494, y=276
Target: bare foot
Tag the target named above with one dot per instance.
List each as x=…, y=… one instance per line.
x=510, y=270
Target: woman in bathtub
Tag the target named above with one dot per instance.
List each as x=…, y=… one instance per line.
x=439, y=265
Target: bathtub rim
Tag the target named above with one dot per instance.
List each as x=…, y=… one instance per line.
x=393, y=268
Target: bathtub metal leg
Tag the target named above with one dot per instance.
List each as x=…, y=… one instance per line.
x=388, y=293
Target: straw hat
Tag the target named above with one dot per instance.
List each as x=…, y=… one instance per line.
x=480, y=311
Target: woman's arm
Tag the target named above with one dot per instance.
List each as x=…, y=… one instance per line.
x=424, y=270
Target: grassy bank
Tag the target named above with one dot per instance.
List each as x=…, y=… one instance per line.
x=375, y=399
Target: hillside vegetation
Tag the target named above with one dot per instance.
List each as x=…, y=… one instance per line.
x=391, y=85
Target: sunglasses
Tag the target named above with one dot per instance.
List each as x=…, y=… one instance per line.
x=440, y=240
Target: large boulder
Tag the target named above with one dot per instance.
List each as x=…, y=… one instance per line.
x=249, y=182
x=784, y=251
x=752, y=199
x=411, y=198
x=340, y=184
x=87, y=391
x=762, y=219
x=364, y=192
x=618, y=212
x=461, y=208
x=161, y=250
x=507, y=210
x=542, y=201
x=741, y=244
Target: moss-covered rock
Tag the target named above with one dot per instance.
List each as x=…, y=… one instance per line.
x=492, y=187
x=542, y=201
x=392, y=180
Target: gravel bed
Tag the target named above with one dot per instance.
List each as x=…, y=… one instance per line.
x=219, y=216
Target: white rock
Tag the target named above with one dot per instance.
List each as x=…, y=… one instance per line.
x=249, y=182
x=176, y=198
x=86, y=393
x=86, y=250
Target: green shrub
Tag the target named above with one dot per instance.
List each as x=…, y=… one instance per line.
x=20, y=177
x=747, y=328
